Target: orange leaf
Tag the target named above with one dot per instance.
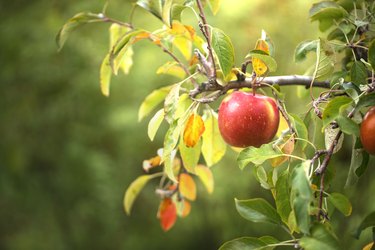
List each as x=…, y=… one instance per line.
x=151, y=163
x=205, y=174
x=141, y=36
x=187, y=187
x=167, y=214
x=186, y=209
x=194, y=129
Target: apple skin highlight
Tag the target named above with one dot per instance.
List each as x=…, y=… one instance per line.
x=247, y=120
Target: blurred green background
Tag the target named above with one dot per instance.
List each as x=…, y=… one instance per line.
x=67, y=153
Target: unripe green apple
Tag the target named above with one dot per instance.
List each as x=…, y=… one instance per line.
x=247, y=119
x=367, y=132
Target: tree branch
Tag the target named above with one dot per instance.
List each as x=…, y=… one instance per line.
x=248, y=83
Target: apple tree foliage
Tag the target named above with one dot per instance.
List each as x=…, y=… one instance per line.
x=291, y=167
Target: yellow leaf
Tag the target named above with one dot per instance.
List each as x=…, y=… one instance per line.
x=151, y=163
x=172, y=68
x=187, y=187
x=259, y=66
x=205, y=175
x=368, y=246
x=283, y=125
x=194, y=129
x=185, y=208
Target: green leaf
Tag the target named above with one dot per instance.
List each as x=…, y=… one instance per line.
x=257, y=210
x=358, y=73
x=282, y=197
x=257, y=156
x=371, y=54
x=171, y=102
x=73, y=23
x=152, y=100
x=303, y=48
x=249, y=243
x=332, y=110
x=105, y=75
x=170, y=142
x=120, y=49
x=365, y=101
x=301, y=196
x=267, y=59
x=134, y=189
x=152, y=6
x=301, y=130
x=327, y=10
x=321, y=238
x=348, y=126
x=324, y=61
x=190, y=156
x=166, y=12
x=262, y=177
x=358, y=163
x=154, y=124
x=330, y=134
x=213, y=147
x=341, y=203
x=177, y=10
x=214, y=6
x=368, y=221
x=224, y=50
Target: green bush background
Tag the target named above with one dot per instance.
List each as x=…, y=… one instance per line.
x=67, y=153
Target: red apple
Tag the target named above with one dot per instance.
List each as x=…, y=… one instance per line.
x=247, y=120
x=367, y=132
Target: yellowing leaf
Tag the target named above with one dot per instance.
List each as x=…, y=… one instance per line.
x=368, y=246
x=151, y=163
x=287, y=148
x=154, y=124
x=214, y=6
x=205, y=175
x=167, y=214
x=283, y=125
x=259, y=66
x=184, y=46
x=105, y=76
x=194, y=129
x=173, y=69
x=184, y=208
x=187, y=187
x=133, y=190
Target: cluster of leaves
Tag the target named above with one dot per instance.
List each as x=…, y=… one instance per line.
x=292, y=167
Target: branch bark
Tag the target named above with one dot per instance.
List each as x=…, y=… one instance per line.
x=248, y=83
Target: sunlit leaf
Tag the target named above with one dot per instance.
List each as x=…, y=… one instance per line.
x=177, y=10
x=167, y=214
x=152, y=6
x=184, y=46
x=324, y=65
x=214, y=6
x=205, y=175
x=301, y=196
x=170, y=142
x=194, y=129
x=257, y=210
x=282, y=197
x=190, y=155
x=151, y=163
x=287, y=148
x=259, y=66
x=171, y=101
x=154, y=124
x=187, y=186
x=173, y=69
x=133, y=190
x=368, y=221
x=250, y=243
x=120, y=50
x=369, y=246
x=341, y=203
x=371, y=54
x=166, y=12
x=184, y=208
x=213, y=147
x=320, y=238
x=105, y=75
x=152, y=100
x=224, y=50
x=73, y=23
x=262, y=62
x=257, y=156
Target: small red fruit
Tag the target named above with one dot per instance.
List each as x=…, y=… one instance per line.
x=247, y=120
x=367, y=132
